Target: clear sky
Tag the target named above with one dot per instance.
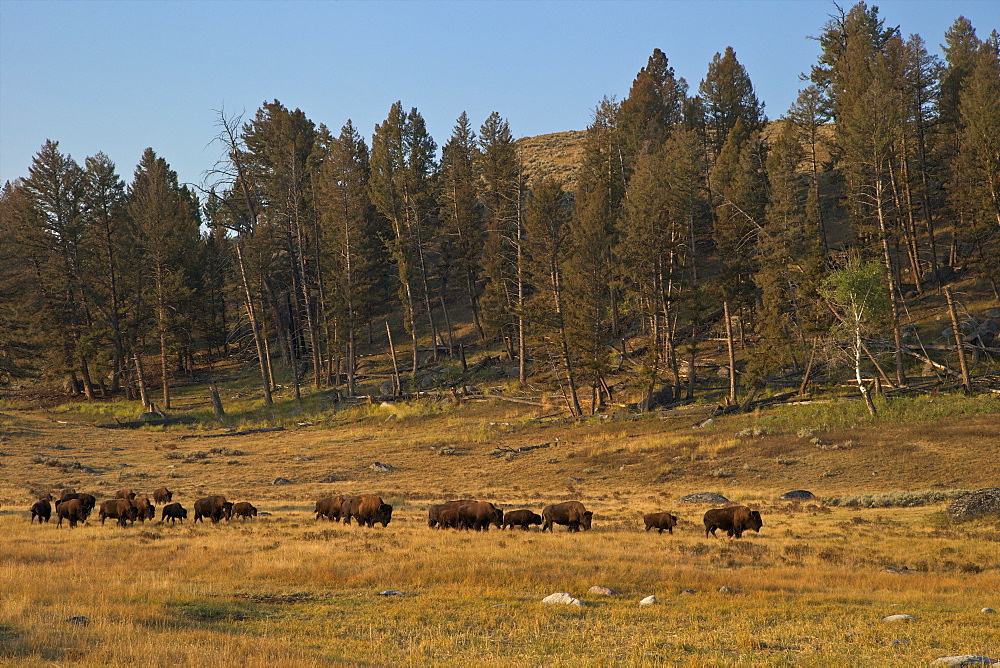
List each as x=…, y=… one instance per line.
x=120, y=76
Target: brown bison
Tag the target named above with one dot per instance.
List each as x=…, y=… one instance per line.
x=734, y=520
x=244, y=510
x=480, y=515
x=173, y=512
x=329, y=507
x=163, y=495
x=126, y=493
x=88, y=500
x=448, y=518
x=41, y=509
x=64, y=495
x=434, y=512
x=71, y=510
x=122, y=510
x=520, y=518
x=367, y=509
x=213, y=507
x=660, y=521
x=144, y=510
x=47, y=496
x=570, y=513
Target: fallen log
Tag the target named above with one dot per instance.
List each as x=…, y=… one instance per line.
x=245, y=432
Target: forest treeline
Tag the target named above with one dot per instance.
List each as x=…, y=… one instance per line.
x=693, y=217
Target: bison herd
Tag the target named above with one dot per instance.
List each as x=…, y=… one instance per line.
x=127, y=507
x=368, y=510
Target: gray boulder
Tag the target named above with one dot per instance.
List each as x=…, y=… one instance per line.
x=382, y=468
x=964, y=660
x=704, y=497
x=898, y=618
x=973, y=505
x=562, y=598
x=282, y=481
x=796, y=494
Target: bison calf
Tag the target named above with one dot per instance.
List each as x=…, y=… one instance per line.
x=520, y=518
x=660, y=521
x=244, y=510
x=174, y=512
x=163, y=495
x=734, y=520
x=329, y=507
x=434, y=511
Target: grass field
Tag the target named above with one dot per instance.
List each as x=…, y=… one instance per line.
x=810, y=589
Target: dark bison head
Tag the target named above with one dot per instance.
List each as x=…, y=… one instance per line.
x=588, y=518
x=383, y=514
x=497, y=518
x=755, y=522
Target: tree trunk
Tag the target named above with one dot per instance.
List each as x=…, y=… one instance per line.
x=732, y=353
x=254, y=324
x=966, y=381
x=141, y=380
x=216, y=400
x=396, y=385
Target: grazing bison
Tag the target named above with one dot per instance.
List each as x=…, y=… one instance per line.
x=47, y=496
x=734, y=520
x=367, y=509
x=64, y=495
x=660, y=521
x=71, y=510
x=163, y=495
x=434, y=512
x=479, y=515
x=173, y=512
x=213, y=507
x=122, y=510
x=330, y=507
x=126, y=493
x=144, y=509
x=244, y=510
x=570, y=513
x=520, y=518
x=41, y=509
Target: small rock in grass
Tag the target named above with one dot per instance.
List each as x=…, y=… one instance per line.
x=390, y=592
x=898, y=618
x=649, y=600
x=562, y=597
x=964, y=660
x=79, y=619
x=602, y=591
x=382, y=468
x=704, y=497
x=725, y=589
x=282, y=481
x=988, y=611
x=689, y=591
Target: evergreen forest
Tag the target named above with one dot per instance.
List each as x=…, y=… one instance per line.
x=699, y=244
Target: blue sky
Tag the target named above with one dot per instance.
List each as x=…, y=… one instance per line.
x=120, y=76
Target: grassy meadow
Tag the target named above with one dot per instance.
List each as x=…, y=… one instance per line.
x=810, y=589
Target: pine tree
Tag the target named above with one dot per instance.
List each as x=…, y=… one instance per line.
x=654, y=106
x=351, y=235
x=501, y=193
x=165, y=230
x=547, y=223
x=462, y=213
x=729, y=96
x=402, y=164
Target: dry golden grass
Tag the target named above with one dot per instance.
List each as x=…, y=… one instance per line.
x=284, y=589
